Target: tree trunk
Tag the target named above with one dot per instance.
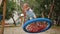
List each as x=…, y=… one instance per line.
x=14, y=21
x=58, y=20
x=51, y=9
x=43, y=15
x=0, y=2
x=4, y=14
x=21, y=3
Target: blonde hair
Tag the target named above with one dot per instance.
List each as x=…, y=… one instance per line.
x=25, y=5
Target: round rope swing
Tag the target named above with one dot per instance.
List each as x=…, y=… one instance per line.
x=37, y=25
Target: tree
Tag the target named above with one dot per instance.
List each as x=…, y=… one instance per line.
x=10, y=7
x=57, y=11
x=46, y=8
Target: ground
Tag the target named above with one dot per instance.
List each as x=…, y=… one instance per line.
x=19, y=30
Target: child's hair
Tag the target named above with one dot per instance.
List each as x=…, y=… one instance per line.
x=26, y=5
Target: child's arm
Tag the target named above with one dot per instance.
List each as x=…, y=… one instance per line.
x=33, y=13
x=34, y=16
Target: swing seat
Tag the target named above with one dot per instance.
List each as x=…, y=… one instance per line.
x=37, y=25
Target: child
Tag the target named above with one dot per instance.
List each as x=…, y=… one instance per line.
x=29, y=14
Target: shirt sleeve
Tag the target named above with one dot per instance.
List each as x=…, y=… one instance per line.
x=32, y=12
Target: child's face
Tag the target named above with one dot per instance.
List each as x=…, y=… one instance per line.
x=25, y=6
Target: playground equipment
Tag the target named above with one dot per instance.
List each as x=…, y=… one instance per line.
x=37, y=25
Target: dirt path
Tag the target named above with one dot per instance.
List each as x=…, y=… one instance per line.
x=19, y=30
x=0, y=30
